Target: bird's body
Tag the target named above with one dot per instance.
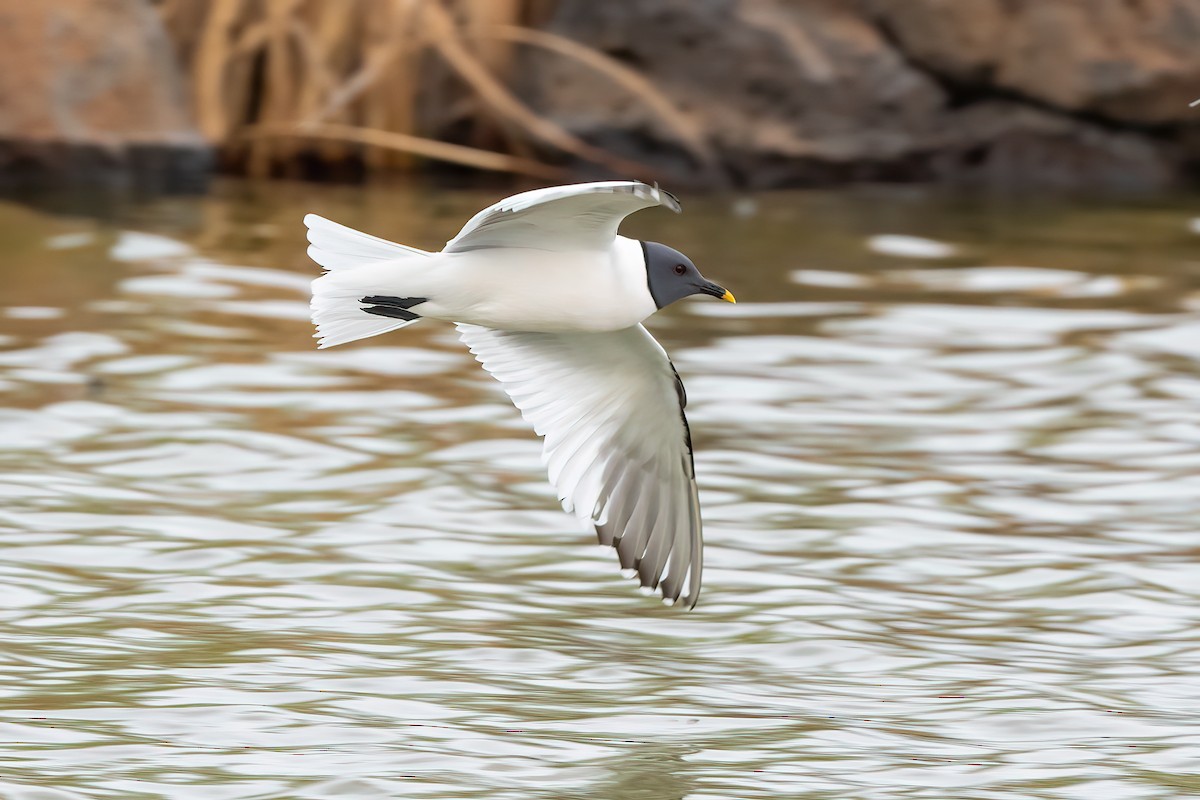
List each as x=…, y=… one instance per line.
x=515, y=288
x=550, y=299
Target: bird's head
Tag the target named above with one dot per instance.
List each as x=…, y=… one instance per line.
x=672, y=276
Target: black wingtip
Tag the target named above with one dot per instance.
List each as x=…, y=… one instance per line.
x=394, y=313
x=643, y=572
x=392, y=301
x=671, y=201
x=396, y=307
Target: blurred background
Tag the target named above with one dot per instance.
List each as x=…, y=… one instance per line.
x=747, y=93
x=947, y=440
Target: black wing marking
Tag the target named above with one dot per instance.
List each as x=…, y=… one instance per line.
x=395, y=307
x=687, y=429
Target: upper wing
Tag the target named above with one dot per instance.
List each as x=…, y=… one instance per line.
x=617, y=445
x=335, y=246
x=582, y=216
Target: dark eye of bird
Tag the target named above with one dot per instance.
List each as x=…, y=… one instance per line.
x=680, y=269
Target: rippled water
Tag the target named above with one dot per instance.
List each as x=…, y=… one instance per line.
x=951, y=492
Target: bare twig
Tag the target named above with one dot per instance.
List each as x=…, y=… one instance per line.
x=416, y=145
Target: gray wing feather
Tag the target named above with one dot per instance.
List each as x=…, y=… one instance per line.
x=583, y=216
x=617, y=445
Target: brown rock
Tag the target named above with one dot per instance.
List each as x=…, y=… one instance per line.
x=809, y=91
x=1132, y=61
x=1007, y=145
x=90, y=93
x=802, y=83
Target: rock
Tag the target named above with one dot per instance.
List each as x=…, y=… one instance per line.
x=90, y=94
x=815, y=91
x=954, y=40
x=1131, y=62
x=1006, y=145
x=782, y=90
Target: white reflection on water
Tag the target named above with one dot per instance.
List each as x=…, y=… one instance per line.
x=951, y=531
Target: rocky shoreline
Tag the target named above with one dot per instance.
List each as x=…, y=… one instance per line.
x=1000, y=93
x=1061, y=94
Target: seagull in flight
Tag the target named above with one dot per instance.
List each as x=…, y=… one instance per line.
x=550, y=300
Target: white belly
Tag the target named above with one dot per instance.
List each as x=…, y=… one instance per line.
x=538, y=291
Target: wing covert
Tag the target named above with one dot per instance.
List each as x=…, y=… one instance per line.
x=582, y=216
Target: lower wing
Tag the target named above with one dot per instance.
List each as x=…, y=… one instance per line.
x=617, y=445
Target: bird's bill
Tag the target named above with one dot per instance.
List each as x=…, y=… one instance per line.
x=720, y=292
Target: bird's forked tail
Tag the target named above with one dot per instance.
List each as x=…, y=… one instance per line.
x=346, y=301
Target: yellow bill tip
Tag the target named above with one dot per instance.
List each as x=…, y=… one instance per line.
x=728, y=297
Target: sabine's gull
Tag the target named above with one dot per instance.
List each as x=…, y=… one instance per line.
x=550, y=300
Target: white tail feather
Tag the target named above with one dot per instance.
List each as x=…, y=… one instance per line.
x=336, y=308
x=340, y=319
x=335, y=246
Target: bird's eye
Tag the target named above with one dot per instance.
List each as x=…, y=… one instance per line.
x=680, y=269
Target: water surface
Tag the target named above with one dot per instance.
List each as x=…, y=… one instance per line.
x=951, y=498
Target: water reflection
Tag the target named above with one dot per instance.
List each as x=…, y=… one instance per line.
x=951, y=516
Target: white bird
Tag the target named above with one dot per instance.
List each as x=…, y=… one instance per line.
x=550, y=300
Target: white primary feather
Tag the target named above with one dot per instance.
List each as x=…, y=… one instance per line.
x=582, y=216
x=335, y=246
x=617, y=445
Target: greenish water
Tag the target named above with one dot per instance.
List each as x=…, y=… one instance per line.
x=952, y=509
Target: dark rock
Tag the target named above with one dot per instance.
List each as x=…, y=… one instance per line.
x=1131, y=62
x=819, y=91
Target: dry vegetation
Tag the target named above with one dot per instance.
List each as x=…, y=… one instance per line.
x=388, y=82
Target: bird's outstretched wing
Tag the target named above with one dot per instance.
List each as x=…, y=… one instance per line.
x=582, y=216
x=617, y=445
